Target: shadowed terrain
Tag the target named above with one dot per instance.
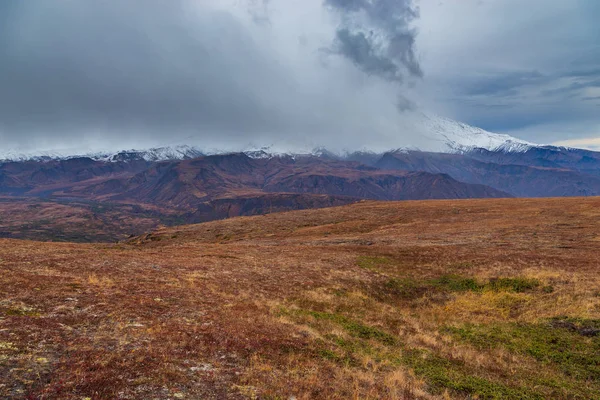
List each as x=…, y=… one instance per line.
x=454, y=299
x=545, y=171
x=85, y=200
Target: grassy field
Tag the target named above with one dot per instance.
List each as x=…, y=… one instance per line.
x=76, y=221
x=488, y=299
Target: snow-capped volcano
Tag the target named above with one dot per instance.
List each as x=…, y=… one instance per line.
x=431, y=132
x=445, y=135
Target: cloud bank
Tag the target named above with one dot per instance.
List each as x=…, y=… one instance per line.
x=527, y=68
x=343, y=74
x=592, y=143
x=115, y=74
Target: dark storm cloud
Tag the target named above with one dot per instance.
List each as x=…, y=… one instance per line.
x=140, y=73
x=376, y=36
x=359, y=49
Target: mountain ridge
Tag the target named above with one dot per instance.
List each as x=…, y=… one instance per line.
x=85, y=199
x=110, y=195
x=438, y=134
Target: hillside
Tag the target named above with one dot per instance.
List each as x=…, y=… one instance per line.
x=106, y=197
x=459, y=299
x=81, y=199
x=535, y=172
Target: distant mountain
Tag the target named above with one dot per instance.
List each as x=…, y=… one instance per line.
x=517, y=174
x=108, y=198
x=444, y=135
x=186, y=183
x=181, y=152
x=432, y=133
x=583, y=161
x=451, y=153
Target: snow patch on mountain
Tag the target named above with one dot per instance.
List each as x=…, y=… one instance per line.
x=448, y=136
x=181, y=152
x=14, y=155
x=433, y=133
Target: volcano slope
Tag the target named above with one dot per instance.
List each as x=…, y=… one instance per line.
x=425, y=299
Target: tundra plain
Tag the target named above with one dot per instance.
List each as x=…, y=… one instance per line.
x=488, y=299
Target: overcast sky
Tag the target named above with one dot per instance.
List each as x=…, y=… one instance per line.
x=350, y=74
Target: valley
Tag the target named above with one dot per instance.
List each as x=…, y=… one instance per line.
x=107, y=198
x=81, y=199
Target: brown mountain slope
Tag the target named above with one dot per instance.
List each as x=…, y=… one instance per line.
x=36, y=177
x=121, y=198
x=184, y=184
x=428, y=299
x=544, y=179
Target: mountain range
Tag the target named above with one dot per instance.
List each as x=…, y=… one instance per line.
x=126, y=192
x=434, y=133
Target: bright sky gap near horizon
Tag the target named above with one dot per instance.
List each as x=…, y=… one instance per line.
x=226, y=73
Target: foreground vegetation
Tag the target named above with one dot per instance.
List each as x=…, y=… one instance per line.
x=486, y=299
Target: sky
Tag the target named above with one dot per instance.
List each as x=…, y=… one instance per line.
x=342, y=74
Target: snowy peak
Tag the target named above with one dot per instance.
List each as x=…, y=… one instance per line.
x=182, y=152
x=13, y=155
x=432, y=134
x=449, y=136
x=268, y=152
x=260, y=153
x=158, y=154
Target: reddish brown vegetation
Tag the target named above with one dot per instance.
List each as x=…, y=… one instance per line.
x=124, y=198
x=367, y=301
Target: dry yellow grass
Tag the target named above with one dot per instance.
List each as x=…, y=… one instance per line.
x=436, y=299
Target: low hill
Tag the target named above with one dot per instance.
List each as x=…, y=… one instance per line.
x=493, y=298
